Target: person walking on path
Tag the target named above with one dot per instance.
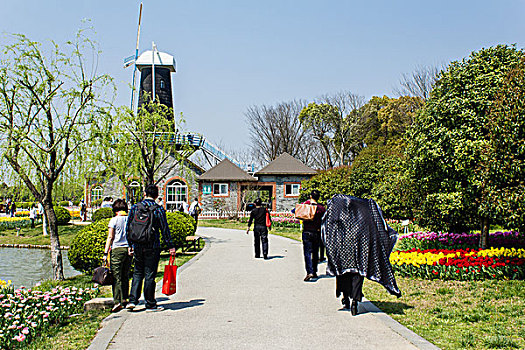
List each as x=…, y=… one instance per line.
x=145, y=221
x=83, y=210
x=260, y=230
x=312, y=237
x=120, y=258
x=13, y=209
x=32, y=215
x=358, y=246
x=195, y=210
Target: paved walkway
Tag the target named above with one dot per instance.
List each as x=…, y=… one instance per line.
x=226, y=299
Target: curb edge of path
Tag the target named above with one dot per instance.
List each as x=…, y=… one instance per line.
x=112, y=324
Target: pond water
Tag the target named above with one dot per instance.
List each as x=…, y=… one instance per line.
x=26, y=267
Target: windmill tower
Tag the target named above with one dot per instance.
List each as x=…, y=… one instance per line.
x=155, y=69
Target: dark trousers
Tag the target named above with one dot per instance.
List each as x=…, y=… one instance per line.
x=120, y=263
x=32, y=223
x=311, y=242
x=146, y=265
x=351, y=285
x=196, y=218
x=260, y=235
x=321, y=250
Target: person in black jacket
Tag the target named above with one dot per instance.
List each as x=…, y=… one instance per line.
x=260, y=231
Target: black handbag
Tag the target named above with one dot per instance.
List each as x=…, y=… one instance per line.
x=103, y=276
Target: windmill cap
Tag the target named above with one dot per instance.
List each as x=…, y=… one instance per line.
x=162, y=60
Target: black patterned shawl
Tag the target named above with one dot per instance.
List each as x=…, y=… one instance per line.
x=358, y=240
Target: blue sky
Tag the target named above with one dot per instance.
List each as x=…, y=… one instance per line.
x=234, y=54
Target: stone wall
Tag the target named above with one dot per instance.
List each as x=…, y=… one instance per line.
x=230, y=201
x=283, y=203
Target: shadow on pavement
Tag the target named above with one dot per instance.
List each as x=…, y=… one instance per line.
x=178, y=305
x=389, y=307
x=270, y=257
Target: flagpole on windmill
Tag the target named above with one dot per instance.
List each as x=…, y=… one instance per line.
x=135, y=60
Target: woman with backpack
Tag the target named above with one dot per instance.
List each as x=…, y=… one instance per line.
x=120, y=257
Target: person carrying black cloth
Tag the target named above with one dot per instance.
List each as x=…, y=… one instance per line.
x=358, y=244
x=260, y=231
x=312, y=237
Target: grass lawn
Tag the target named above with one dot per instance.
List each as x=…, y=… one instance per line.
x=450, y=314
x=30, y=235
x=458, y=314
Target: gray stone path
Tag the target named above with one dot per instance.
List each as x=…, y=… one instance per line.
x=226, y=299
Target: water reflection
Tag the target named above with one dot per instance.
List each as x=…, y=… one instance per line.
x=26, y=267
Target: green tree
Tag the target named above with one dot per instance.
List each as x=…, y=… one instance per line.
x=147, y=143
x=49, y=102
x=328, y=183
x=387, y=119
x=320, y=119
x=336, y=123
x=445, y=146
x=503, y=168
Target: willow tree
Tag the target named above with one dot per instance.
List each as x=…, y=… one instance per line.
x=51, y=97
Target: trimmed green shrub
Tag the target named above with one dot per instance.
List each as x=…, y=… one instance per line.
x=87, y=248
x=76, y=203
x=181, y=225
x=63, y=203
x=97, y=203
x=63, y=215
x=103, y=213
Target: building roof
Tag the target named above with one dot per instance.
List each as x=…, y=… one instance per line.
x=161, y=59
x=285, y=164
x=226, y=171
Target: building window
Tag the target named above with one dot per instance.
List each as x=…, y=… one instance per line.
x=220, y=189
x=292, y=189
x=96, y=194
x=162, y=84
x=135, y=193
x=206, y=189
x=176, y=194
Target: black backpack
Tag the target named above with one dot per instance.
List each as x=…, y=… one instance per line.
x=141, y=227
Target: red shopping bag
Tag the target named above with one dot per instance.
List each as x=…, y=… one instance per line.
x=169, y=283
x=268, y=220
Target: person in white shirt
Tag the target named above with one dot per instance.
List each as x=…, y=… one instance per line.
x=195, y=210
x=120, y=258
x=186, y=208
x=42, y=212
x=32, y=215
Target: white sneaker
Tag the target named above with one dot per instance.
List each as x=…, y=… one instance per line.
x=154, y=309
x=130, y=306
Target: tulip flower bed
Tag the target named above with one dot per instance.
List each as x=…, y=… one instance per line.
x=7, y=223
x=461, y=264
x=441, y=240
x=285, y=220
x=26, y=313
